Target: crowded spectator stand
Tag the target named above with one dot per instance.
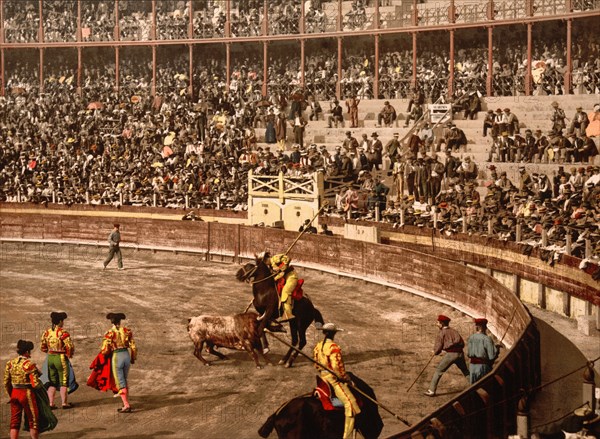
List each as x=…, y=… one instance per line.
x=184, y=128
x=527, y=68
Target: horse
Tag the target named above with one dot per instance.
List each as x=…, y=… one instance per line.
x=304, y=417
x=266, y=302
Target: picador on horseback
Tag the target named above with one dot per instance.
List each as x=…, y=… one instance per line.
x=328, y=353
x=298, y=310
x=286, y=281
x=340, y=403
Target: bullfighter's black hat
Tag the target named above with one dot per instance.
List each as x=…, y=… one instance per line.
x=56, y=317
x=115, y=316
x=24, y=346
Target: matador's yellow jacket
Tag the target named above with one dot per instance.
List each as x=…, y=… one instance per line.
x=329, y=354
x=57, y=341
x=119, y=338
x=21, y=372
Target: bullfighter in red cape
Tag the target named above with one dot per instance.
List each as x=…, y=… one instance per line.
x=111, y=365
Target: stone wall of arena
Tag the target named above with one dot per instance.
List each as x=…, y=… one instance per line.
x=486, y=409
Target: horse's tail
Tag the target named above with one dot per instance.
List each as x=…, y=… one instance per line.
x=318, y=319
x=268, y=426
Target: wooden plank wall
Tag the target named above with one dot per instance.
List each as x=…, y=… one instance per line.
x=470, y=414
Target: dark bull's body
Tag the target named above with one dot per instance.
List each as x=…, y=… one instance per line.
x=239, y=331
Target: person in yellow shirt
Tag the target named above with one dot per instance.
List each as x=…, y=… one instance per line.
x=56, y=342
x=328, y=353
x=117, y=342
x=285, y=273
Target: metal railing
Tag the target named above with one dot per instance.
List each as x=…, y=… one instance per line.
x=396, y=19
x=285, y=21
x=23, y=26
x=362, y=87
x=586, y=81
x=471, y=12
x=321, y=88
x=285, y=88
x=394, y=88
x=208, y=27
x=503, y=85
x=585, y=5
x=434, y=87
x=511, y=9
x=433, y=16
x=471, y=83
x=247, y=26
x=548, y=7
x=320, y=21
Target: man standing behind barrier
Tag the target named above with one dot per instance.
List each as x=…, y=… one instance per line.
x=450, y=341
x=114, y=240
x=481, y=351
x=329, y=354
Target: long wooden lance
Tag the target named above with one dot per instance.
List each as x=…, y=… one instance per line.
x=325, y=204
x=509, y=323
x=339, y=378
x=420, y=373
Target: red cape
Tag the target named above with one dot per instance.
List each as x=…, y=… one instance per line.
x=101, y=377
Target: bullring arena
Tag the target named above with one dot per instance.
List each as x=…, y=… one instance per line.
x=175, y=395
x=388, y=332
x=210, y=131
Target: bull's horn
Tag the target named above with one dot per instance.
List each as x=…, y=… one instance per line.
x=259, y=318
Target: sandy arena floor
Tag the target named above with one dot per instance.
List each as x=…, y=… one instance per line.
x=388, y=339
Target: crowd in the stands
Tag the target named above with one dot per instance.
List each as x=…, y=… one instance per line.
x=124, y=146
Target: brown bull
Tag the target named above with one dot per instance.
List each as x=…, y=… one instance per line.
x=239, y=331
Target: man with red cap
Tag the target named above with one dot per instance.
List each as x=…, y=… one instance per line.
x=449, y=341
x=481, y=351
